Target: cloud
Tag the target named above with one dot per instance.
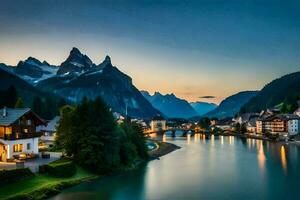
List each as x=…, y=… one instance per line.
x=207, y=97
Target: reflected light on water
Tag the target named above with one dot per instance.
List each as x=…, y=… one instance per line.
x=283, y=159
x=261, y=156
x=212, y=140
x=231, y=140
x=222, y=140
x=203, y=139
x=248, y=143
x=188, y=138
x=196, y=137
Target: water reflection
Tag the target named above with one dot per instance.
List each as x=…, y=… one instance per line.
x=261, y=156
x=283, y=159
x=222, y=140
x=231, y=140
x=213, y=140
x=188, y=138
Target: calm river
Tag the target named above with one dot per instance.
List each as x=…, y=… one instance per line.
x=216, y=168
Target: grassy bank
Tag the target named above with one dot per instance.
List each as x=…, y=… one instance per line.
x=42, y=186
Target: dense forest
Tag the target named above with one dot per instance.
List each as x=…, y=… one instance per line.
x=88, y=133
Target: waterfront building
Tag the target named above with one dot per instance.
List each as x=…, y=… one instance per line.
x=18, y=135
x=158, y=123
x=281, y=124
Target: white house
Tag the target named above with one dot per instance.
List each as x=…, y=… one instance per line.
x=18, y=136
x=48, y=131
x=293, y=125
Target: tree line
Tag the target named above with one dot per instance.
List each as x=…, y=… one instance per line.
x=88, y=133
x=47, y=107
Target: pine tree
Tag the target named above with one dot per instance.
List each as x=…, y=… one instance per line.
x=19, y=103
x=11, y=97
x=37, y=106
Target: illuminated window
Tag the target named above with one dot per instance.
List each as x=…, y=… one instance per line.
x=17, y=148
x=25, y=130
x=2, y=131
x=8, y=130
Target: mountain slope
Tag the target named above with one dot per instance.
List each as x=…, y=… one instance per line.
x=286, y=88
x=75, y=63
x=231, y=105
x=85, y=79
x=24, y=89
x=32, y=70
x=170, y=105
x=203, y=107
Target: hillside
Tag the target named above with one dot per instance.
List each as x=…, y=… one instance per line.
x=231, y=105
x=284, y=89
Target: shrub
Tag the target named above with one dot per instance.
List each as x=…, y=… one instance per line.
x=60, y=168
x=7, y=176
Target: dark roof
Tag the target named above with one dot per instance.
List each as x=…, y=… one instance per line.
x=50, y=126
x=13, y=114
x=282, y=117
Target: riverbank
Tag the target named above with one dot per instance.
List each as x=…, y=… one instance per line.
x=162, y=149
x=42, y=186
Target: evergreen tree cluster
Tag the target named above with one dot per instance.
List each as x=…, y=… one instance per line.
x=47, y=107
x=9, y=97
x=88, y=133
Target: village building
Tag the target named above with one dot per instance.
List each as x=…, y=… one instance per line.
x=18, y=135
x=281, y=124
x=249, y=120
x=158, y=123
x=48, y=132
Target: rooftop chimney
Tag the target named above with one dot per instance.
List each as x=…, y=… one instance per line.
x=4, y=111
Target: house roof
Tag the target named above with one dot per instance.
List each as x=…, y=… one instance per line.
x=282, y=117
x=13, y=114
x=51, y=125
x=248, y=116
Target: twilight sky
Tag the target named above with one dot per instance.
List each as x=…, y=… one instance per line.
x=190, y=48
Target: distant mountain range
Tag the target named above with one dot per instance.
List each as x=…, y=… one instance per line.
x=231, y=105
x=284, y=89
x=170, y=105
x=79, y=77
x=203, y=107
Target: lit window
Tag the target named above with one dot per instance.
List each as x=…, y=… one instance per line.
x=17, y=148
x=8, y=130
x=25, y=130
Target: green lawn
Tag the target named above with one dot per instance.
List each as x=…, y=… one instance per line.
x=39, y=185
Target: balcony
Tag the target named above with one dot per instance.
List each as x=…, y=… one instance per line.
x=18, y=136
